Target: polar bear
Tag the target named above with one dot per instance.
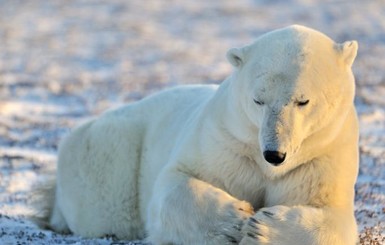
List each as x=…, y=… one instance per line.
x=268, y=157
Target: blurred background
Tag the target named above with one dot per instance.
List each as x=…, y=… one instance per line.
x=64, y=61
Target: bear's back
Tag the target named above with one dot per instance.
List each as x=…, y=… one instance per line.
x=167, y=105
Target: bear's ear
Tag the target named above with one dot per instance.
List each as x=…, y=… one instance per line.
x=348, y=51
x=235, y=56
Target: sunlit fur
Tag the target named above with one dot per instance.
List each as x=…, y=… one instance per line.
x=185, y=166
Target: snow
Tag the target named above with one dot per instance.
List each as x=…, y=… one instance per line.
x=62, y=62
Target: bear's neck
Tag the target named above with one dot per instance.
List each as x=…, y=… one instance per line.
x=228, y=115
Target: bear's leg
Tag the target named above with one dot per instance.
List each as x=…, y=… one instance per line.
x=300, y=225
x=57, y=221
x=97, y=181
x=185, y=210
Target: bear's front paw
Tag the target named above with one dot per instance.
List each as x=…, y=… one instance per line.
x=275, y=225
x=230, y=221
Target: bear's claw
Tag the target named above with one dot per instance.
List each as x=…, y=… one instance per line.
x=231, y=239
x=267, y=213
x=252, y=219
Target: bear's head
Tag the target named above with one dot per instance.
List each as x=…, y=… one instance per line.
x=291, y=84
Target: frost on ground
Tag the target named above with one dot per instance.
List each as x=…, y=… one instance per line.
x=64, y=61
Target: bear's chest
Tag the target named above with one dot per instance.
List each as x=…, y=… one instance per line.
x=241, y=178
x=303, y=187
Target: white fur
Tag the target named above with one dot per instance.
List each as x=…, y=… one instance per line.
x=185, y=166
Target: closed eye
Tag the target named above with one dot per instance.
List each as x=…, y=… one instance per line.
x=258, y=102
x=302, y=103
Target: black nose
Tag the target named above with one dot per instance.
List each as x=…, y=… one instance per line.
x=274, y=157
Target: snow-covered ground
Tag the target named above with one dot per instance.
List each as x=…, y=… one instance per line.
x=64, y=61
